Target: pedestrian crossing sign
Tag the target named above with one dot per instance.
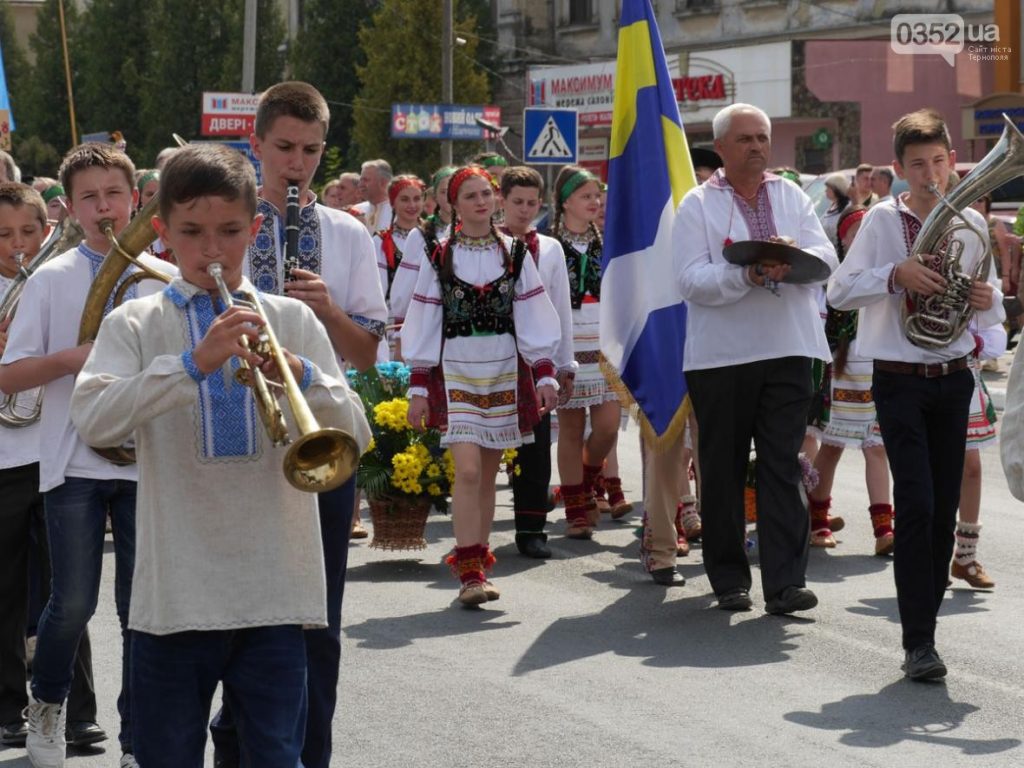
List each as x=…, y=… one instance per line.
x=550, y=135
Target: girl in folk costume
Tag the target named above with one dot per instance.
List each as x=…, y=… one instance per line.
x=480, y=330
x=990, y=343
x=434, y=229
x=402, y=236
x=577, y=199
x=848, y=419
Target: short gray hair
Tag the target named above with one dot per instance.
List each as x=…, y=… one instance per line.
x=383, y=167
x=13, y=171
x=720, y=125
x=349, y=176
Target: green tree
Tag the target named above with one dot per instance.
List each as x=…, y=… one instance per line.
x=196, y=46
x=44, y=113
x=326, y=53
x=112, y=53
x=15, y=65
x=402, y=43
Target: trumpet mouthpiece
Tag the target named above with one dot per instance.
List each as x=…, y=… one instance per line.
x=107, y=226
x=215, y=270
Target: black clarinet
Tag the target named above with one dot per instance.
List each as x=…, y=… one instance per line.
x=291, y=232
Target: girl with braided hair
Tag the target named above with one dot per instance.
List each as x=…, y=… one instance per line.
x=402, y=236
x=577, y=204
x=480, y=337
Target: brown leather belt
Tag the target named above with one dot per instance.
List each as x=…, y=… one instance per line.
x=928, y=370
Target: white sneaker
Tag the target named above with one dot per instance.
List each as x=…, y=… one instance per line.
x=128, y=761
x=45, y=742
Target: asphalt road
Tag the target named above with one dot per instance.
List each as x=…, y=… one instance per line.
x=585, y=662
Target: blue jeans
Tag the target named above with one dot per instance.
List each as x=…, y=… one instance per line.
x=323, y=646
x=174, y=676
x=76, y=514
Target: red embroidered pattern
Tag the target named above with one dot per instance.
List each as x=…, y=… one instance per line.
x=483, y=401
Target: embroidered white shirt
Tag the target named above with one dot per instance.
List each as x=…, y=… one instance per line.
x=20, y=446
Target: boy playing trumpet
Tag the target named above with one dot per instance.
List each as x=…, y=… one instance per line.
x=231, y=569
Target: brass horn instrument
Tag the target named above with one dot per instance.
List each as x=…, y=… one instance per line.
x=936, y=321
x=23, y=408
x=321, y=458
x=110, y=284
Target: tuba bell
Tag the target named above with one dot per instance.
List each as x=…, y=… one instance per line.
x=23, y=408
x=111, y=284
x=936, y=321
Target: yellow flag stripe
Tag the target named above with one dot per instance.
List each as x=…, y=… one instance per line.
x=634, y=70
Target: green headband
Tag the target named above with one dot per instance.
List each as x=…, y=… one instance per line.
x=574, y=182
x=55, y=191
x=148, y=177
x=493, y=160
x=441, y=175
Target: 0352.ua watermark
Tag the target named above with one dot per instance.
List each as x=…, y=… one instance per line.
x=945, y=34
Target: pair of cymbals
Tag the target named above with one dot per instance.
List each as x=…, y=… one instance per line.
x=804, y=267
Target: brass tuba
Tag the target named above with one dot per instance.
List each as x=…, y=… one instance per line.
x=108, y=285
x=23, y=408
x=321, y=458
x=936, y=321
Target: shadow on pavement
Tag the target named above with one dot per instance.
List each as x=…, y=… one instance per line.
x=903, y=711
x=825, y=568
x=644, y=624
x=400, y=631
x=956, y=602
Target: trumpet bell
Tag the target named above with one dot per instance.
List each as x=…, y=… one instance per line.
x=321, y=460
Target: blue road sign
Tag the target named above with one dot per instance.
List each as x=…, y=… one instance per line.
x=550, y=135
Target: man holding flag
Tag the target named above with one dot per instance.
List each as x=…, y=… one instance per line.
x=643, y=318
x=750, y=340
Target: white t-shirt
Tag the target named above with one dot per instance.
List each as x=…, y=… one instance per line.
x=376, y=217
x=47, y=321
x=18, y=446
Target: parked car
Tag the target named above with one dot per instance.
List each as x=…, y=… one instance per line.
x=816, y=189
x=1007, y=198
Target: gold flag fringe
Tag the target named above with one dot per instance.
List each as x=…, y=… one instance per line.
x=655, y=442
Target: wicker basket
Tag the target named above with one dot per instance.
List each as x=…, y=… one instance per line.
x=399, y=523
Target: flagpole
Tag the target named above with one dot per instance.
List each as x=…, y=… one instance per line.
x=67, y=72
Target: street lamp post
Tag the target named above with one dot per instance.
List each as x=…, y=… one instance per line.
x=447, y=43
x=249, y=48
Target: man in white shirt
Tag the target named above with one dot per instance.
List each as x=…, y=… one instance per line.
x=374, y=177
x=750, y=340
x=881, y=182
x=922, y=393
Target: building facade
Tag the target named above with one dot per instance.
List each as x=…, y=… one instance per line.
x=826, y=73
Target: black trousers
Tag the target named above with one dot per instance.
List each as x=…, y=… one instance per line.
x=766, y=400
x=530, y=486
x=924, y=428
x=21, y=516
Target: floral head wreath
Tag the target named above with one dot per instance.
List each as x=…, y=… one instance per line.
x=466, y=172
x=402, y=182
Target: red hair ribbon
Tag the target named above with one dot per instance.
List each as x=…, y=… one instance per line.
x=461, y=175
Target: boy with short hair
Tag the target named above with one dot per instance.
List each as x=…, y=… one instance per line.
x=210, y=605
x=922, y=394
x=522, y=190
x=80, y=488
x=23, y=230
x=336, y=276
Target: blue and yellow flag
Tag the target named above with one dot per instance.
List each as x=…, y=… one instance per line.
x=5, y=102
x=643, y=319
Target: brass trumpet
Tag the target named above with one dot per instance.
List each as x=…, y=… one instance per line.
x=321, y=458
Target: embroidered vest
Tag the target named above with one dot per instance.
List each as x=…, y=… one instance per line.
x=479, y=310
x=584, y=271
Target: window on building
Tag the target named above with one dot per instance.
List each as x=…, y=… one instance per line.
x=581, y=12
x=696, y=5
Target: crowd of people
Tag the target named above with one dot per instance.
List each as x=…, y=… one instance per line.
x=236, y=577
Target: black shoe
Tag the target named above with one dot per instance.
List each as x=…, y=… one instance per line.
x=791, y=599
x=14, y=734
x=83, y=733
x=735, y=600
x=923, y=663
x=668, y=577
x=533, y=545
